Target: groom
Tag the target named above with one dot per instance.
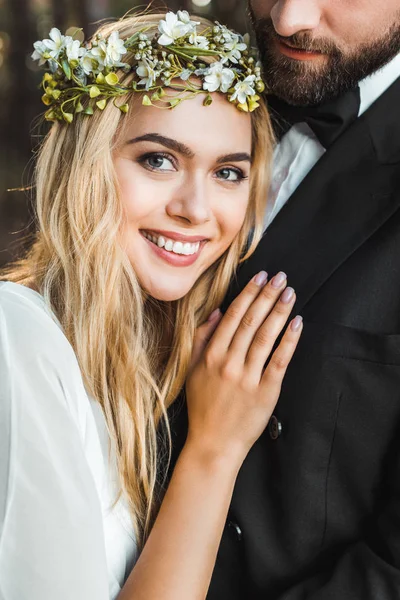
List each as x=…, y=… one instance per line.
x=316, y=510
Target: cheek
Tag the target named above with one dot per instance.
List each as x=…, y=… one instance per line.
x=230, y=217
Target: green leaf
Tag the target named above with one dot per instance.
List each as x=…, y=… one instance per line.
x=112, y=79
x=66, y=68
x=94, y=91
x=56, y=94
x=79, y=107
x=88, y=111
x=146, y=101
x=174, y=102
x=207, y=100
x=101, y=104
x=100, y=78
x=124, y=108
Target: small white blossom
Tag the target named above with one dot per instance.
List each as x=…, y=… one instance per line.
x=200, y=41
x=73, y=49
x=40, y=51
x=185, y=74
x=56, y=43
x=172, y=28
x=218, y=78
x=115, y=50
x=184, y=16
x=243, y=89
x=99, y=53
x=235, y=47
x=88, y=62
x=147, y=72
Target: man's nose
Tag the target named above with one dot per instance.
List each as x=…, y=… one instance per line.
x=191, y=202
x=292, y=16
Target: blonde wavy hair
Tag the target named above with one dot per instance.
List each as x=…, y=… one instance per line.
x=77, y=263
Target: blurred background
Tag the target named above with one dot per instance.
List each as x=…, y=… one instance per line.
x=22, y=22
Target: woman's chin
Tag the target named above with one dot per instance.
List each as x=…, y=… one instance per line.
x=167, y=293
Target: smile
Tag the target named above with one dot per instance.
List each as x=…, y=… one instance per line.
x=175, y=252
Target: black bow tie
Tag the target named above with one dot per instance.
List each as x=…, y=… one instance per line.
x=327, y=121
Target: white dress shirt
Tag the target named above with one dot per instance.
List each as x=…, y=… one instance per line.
x=299, y=149
x=60, y=536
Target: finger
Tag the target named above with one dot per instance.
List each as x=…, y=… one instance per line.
x=235, y=312
x=267, y=335
x=280, y=360
x=255, y=316
x=203, y=335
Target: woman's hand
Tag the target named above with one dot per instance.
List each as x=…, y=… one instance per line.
x=230, y=395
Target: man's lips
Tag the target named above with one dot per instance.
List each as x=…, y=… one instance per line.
x=297, y=53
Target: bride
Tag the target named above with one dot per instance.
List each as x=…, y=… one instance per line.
x=150, y=189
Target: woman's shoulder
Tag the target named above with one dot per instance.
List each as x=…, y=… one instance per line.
x=27, y=325
x=35, y=354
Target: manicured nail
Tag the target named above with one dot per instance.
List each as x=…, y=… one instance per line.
x=214, y=315
x=278, y=280
x=261, y=278
x=287, y=295
x=296, y=324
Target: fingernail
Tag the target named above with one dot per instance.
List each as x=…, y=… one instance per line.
x=261, y=278
x=214, y=315
x=287, y=295
x=296, y=324
x=278, y=280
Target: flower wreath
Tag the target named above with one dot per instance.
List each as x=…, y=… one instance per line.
x=83, y=77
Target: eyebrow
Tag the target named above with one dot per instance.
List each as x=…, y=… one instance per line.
x=185, y=150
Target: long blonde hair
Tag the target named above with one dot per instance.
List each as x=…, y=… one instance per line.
x=85, y=277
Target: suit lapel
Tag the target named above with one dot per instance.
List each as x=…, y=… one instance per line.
x=346, y=197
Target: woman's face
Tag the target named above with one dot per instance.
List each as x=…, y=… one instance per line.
x=184, y=182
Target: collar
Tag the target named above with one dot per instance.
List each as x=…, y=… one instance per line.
x=373, y=86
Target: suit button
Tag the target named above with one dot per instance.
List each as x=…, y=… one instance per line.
x=274, y=427
x=236, y=529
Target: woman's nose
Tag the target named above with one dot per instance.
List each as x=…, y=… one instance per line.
x=191, y=202
x=292, y=16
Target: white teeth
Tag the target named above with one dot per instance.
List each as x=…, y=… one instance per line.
x=186, y=249
x=177, y=248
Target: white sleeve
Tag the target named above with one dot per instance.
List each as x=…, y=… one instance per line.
x=51, y=529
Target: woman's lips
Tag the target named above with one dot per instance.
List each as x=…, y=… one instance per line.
x=297, y=54
x=177, y=260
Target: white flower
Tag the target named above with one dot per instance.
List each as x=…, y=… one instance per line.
x=200, y=41
x=73, y=49
x=185, y=74
x=235, y=47
x=148, y=73
x=243, y=89
x=99, y=53
x=56, y=43
x=172, y=28
x=115, y=50
x=40, y=51
x=184, y=16
x=218, y=78
x=87, y=63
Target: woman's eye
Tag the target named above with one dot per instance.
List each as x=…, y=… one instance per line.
x=158, y=162
x=229, y=174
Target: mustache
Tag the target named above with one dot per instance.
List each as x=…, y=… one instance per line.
x=302, y=40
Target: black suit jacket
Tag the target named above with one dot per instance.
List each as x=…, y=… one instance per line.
x=315, y=513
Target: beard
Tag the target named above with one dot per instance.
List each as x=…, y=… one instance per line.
x=303, y=84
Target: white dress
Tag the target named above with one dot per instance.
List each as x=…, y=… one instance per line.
x=60, y=538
